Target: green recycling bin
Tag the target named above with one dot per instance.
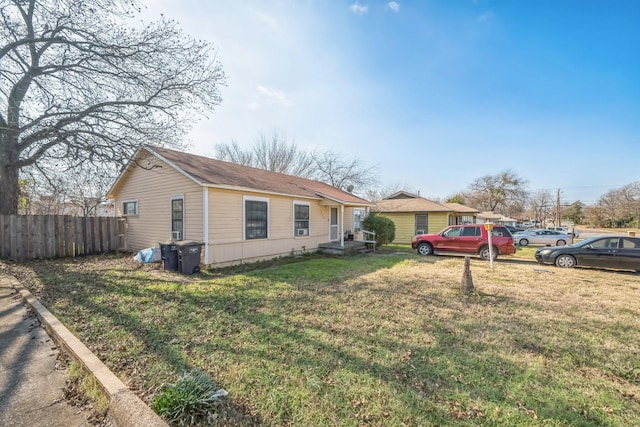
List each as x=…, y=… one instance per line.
x=189, y=257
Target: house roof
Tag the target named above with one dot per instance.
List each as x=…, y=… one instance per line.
x=489, y=215
x=494, y=216
x=401, y=195
x=217, y=173
x=419, y=204
x=457, y=207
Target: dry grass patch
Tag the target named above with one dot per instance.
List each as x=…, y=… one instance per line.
x=372, y=340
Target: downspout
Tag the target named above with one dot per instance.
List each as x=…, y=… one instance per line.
x=342, y=226
x=205, y=223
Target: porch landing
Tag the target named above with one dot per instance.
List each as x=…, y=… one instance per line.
x=350, y=247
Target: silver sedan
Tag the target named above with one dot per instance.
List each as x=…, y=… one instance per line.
x=542, y=237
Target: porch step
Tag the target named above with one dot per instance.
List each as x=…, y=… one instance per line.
x=350, y=247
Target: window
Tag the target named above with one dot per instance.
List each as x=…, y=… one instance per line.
x=300, y=219
x=500, y=232
x=453, y=232
x=177, y=218
x=422, y=223
x=358, y=217
x=471, y=232
x=256, y=218
x=467, y=219
x=130, y=207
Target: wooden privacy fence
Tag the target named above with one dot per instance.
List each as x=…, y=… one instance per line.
x=24, y=237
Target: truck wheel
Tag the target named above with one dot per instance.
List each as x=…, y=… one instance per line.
x=485, y=254
x=425, y=249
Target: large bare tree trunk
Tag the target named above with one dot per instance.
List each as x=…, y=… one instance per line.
x=9, y=184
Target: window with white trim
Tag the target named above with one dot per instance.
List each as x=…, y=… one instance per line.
x=358, y=217
x=422, y=224
x=130, y=207
x=177, y=218
x=256, y=218
x=301, y=219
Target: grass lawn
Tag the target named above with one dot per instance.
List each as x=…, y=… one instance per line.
x=385, y=339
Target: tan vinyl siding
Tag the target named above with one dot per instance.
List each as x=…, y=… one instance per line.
x=226, y=226
x=153, y=188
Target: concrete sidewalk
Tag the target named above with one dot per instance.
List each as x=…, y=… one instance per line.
x=31, y=388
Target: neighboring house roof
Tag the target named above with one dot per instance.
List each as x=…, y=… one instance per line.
x=217, y=173
x=489, y=215
x=419, y=204
x=457, y=207
x=494, y=216
x=401, y=195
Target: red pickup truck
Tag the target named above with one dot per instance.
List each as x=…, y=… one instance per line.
x=466, y=239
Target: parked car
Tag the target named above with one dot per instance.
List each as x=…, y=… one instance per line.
x=604, y=252
x=566, y=230
x=513, y=229
x=466, y=239
x=542, y=237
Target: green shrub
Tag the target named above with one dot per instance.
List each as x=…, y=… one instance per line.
x=192, y=400
x=385, y=228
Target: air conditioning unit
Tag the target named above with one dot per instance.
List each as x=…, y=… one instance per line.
x=176, y=235
x=302, y=232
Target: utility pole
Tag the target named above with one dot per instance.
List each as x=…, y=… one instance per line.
x=558, y=216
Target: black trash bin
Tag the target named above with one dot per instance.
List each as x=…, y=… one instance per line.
x=169, y=256
x=189, y=257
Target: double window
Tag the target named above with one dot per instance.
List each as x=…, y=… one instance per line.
x=256, y=218
x=301, y=219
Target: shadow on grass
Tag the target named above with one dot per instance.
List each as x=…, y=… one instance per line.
x=301, y=337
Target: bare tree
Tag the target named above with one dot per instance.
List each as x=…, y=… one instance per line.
x=273, y=153
x=620, y=206
x=78, y=84
x=276, y=154
x=541, y=205
x=75, y=191
x=234, y=153
x=379, y=192
x=344, y=173
x=496, y=192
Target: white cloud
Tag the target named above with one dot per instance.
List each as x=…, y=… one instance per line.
x=358, y=9
x=393, y=6
x=270, y=96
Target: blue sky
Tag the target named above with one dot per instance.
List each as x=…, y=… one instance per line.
x=433, y=93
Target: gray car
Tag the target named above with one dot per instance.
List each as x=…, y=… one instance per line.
x=542, y=237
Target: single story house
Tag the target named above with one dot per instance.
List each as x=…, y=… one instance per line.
x=416, y=215
x=488, y=216
x=241, y=214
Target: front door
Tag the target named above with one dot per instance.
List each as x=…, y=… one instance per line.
x=333, y=225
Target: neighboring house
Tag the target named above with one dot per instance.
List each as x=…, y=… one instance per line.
x=416, y=215
x=240, y=213
x=52, y=205
x=488, y=216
